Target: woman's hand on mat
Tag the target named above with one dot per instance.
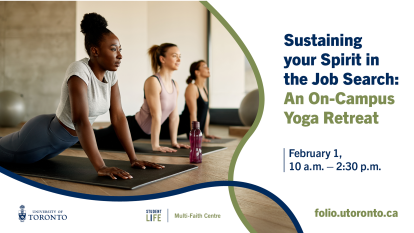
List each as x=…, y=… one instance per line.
x=178, y=145
x=163, y=149
x=212, y=137
x=144, y=164
x=113, y=172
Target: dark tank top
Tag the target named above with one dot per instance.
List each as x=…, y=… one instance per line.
x=202, y=109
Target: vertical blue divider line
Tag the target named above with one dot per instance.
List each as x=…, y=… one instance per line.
x=167, y=215
x=283, y=159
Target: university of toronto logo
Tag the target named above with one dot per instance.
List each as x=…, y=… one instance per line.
x=22, y=214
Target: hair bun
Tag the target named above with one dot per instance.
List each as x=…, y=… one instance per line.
x=93, y=22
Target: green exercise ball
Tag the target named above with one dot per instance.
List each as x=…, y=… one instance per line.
x=11, y=109
x=249, y=107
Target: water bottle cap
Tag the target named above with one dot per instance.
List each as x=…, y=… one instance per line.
x=195, y=125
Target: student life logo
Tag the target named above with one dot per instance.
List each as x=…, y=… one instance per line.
x=41, y=215
x=156, y=215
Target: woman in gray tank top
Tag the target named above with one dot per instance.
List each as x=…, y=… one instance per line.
x=89, y=89
x=160, y=103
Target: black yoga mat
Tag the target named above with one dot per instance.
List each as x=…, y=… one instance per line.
x=145, y=148
x=185, y=140
x=80, y=170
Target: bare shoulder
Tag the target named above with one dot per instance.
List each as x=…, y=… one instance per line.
x=191, y=87
x=191, y=90
x=152, y=82
x=152, y=79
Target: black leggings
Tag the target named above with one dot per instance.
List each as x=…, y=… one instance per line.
x=107, y=139
x=165, y=129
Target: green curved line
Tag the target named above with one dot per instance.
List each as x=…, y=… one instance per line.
x=259, y=112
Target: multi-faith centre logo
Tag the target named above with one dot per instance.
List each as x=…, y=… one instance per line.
x=41, y=215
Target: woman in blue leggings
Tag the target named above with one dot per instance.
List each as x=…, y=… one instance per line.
x=89, y=89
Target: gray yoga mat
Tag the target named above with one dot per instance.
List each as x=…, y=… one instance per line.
x=146, y=149
x=80, y=170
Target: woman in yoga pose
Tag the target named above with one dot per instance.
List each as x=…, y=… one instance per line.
x=89, y=89
x=160, y=103
x=196, y=103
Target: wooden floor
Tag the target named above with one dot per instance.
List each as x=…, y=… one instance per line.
x=261, y=212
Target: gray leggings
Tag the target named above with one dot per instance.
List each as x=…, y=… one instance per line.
x=42, y=137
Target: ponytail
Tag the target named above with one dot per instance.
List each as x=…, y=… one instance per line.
x=189, y=79
x=152, y=52
x=195, y=66
x=155, y=52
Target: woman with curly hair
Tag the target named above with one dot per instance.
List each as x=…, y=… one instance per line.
x=89, y=89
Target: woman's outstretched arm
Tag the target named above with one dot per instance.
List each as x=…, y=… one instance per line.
x=174, y=122
x=207, y=124
x=206, y=127
x=191, y=95
x=80, y=111
x=120, y=124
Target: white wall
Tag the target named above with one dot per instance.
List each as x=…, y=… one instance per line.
x=138, y=26
x=250, y=79
x=184, y=24
x=227, y=81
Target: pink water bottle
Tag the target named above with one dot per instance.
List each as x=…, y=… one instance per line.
x=196, y=136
